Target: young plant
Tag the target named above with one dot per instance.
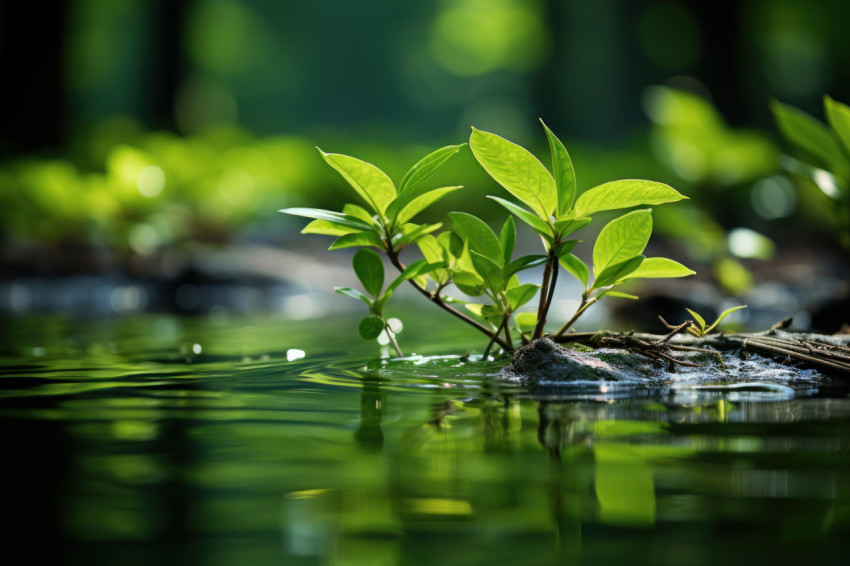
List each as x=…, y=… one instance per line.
x=385, y=224
x=699, y=330
x=555, y=212
x=826, y=155
x=370, y=271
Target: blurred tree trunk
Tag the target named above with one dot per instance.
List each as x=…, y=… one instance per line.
x=33, y=96
x=169, y=17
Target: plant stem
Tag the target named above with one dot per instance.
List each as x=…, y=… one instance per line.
x=508, y=338
x=543, y=306
x=585, y=304
x=493, y=339
x=435, y=298
x=393, y=341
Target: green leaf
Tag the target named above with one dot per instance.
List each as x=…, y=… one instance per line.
x=576, y=267
x=489, y=270
x=516, y=170
x=417, y=205
x=566, y=226
x=562, y=166
x=326, y=228
x=354, y=294
x=433, y=252
x=507, y=239
x=624, y=194
x=469, y=283
x=838, y=116
x=426, y=167
x=371, y=183
x=660, y=267
x=619, y=295
x=723, y=315
x=810, y=135
x=519, y=296
x=451, y=242
x=540, y=226
x=524, y=262
x=564, y=248
x=621, y=239
x=415, y=269
x=370, y=270
x=358, y=211
x=699, y=320
x=525, y=321
x=480, y=236
x=410, y=233
x=616, y=272
x=357, y=239
x=371, y=327
x=329, y=216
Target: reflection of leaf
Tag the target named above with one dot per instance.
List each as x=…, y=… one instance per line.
x=625, y=490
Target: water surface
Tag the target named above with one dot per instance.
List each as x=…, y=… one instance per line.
x=163, y=440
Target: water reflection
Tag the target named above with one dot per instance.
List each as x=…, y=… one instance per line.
x=240, y=454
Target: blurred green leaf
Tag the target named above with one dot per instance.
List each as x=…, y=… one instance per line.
x=838, y=116
x=353, y=293
x=810, y=135
x=519, y=296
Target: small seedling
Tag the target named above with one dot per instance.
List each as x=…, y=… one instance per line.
x=697, y=326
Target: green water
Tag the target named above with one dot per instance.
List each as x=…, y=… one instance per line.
x=160, y=440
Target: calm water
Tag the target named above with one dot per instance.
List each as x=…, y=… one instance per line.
x=159, y=440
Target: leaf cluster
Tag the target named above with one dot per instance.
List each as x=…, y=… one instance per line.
x=474, y=258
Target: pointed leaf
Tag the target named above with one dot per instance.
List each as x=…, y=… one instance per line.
x=576, y=267
x=524, y=262
x=330, y=216
x=451, y=242
x=469, y=283
x=357, y=239
x=723, y=315
x=480, y=236
x=619, y=295
x=433, y=253
x=507, y=239
x=426, y=167
x=371, y=183
x=540, y=226
x=410, y=233
x=562, y=166
x=810, y=135
x=621, y=239
x=415, y=269
x=371, y=327
x=519, y=296
x=566, y=226
x=418, y=204
x=616, y=272
x=489, y=270
x=516, y=170
x=357, y=211
x=353, y=293
x=699, y=320
x=326, y=228
x=370, y=270
x=624, y=194
x=660, y=267
x=838, y=116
